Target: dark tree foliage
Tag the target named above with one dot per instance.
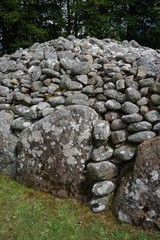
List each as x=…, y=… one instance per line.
x=23, y=22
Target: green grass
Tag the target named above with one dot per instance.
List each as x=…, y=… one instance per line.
x=26, y=214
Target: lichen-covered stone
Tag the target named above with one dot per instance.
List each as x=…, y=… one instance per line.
x=118, y=124
x=103, y=188
x=80, y=68
x=129, y=108
x=101, y=132
x=140, y=126
x=132, y=94
x=146, y=82
x=8, y=142
x=152, y=116
x=99, y=204
x=52, y=152
x=141, y=136
x=141, y=193
x=102, y=153
x=102, y=170
x=113, y=105
x=119, y=136
x=20, y=124
x=125, y=153
x=132, y=118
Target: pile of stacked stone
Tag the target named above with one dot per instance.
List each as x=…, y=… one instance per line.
x=119, y=80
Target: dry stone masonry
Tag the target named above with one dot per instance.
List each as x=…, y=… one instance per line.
x=73, y=113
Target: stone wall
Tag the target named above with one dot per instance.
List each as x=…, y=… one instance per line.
x=115, y=87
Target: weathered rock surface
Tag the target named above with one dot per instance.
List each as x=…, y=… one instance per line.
x=141, y=193
x=102, y=170
x=103, y=188
x=8, y=142
x=125, y=153
x=52, y=152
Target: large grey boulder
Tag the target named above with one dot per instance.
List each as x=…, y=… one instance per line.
x=53, y=151
x=141, y=192
x=8, y=143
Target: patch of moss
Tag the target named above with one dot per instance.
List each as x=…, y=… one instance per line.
x=27, y=214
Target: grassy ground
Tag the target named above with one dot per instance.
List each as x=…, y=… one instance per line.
x=26, y=214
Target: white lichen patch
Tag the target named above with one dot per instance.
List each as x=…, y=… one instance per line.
x=154, y=175
x=52, y=143
x=140, y=185
x=123, y=217
x=36, y=152
x=157, y=193
x=57, y=131
x=85, y=134
x=69, y=153
x=47, y=126
x=26, y=124
x=25, y=142
x=75, y=126
x=36, y=136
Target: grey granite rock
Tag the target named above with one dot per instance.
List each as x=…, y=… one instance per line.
x=142, y=102
x=152, y=116
x=51, y=73
x=142, y=72
x=20, y=124
x=102, y=170
x=42, y=105
x=68, y=84
x=139, y=126
x=109, y=85
x=82, y=79
x=118, y=124
x=99, y=204
x=101, y=153
x=113, y=105
x=77, y=99
x=36, y=86
x=52, y=88
x=103, y=188
x=4, y=91
x=140, y=193
x=56, y=147
x=155, y=87
x=80, y=68
x=36, y=73
x=8, y=142
x=146, y=82
x=129, y=108
x=101, y=131
x=141, y=136
x=100, y=107
x=56, y=100
x=156, y=127
x=155, y=98
x=132, y=118
x=132, y=94
x=119, y=136
x=144, y=91
x=5, y=106
x=66, y=63
x=113, y=94
x=125, y=153
x=120, y=85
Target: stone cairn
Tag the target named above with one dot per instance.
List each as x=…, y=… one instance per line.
x=119, y=80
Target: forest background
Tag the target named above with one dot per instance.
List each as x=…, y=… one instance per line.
x=23, y=22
